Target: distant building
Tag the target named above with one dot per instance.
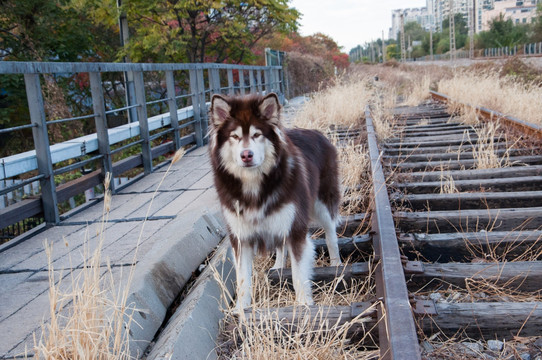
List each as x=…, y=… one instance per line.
x=420, y=15
x=481, y=11
x=520, y=12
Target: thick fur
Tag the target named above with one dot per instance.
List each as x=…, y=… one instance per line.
x=271, y=182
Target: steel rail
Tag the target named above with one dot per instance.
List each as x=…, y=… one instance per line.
x=397, y=331
x=520, y=125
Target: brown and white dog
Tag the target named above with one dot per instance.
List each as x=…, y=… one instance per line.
x=271, y=183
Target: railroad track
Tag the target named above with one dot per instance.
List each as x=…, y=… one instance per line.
x=454, y=250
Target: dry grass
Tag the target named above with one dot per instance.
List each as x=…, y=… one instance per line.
x=355, y=177
x=88, y=320
x=342, y=104
x=447, y=184
x=510, y=248
x=262, y=335
x=419, y=90
x=467, y=114
x=484, y=152
x=90, y=316
x=503, y=94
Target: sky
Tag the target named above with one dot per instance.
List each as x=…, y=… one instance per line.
x=349, y=22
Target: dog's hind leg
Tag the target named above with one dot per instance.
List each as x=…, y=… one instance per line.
x=325, y=219
x=302, y=258
x=280, y=257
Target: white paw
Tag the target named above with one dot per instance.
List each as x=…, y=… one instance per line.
x=305, y=300
x=336, y=262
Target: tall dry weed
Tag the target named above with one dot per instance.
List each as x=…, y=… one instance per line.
x=261, y=334
x=354, y=165
x=485, y=151
x=342, y=104
x=447, y=184
x=418, y=90
x=90, y=318
x=90, y=315
x=504, y=94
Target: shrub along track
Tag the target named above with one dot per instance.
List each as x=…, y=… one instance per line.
x=456, y=248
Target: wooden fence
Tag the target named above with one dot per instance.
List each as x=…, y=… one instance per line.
x=185, y=127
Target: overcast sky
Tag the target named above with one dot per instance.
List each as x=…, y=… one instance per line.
x=349, y=22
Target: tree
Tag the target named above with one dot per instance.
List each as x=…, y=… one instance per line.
x=537, y=25
x=319, y=45
x=204, y=30
x=413, y=31
x=37, y=30
x=502, y=33
x=392, y=52
x=42, y=30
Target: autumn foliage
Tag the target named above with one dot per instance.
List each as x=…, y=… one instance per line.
x=311, y=61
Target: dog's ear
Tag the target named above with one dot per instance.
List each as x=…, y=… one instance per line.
x=220, y=109
x=270, y=108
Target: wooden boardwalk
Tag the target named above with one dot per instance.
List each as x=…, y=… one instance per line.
x=24, y=280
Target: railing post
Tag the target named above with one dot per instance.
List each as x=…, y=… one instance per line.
x=285, y=80
x=43, y=152
x=231, y=85
x=268, y=84
x=252, y=80
x=259, y=80
x=196, y=90
x=241, y=82
x=214, y=80
x=100, y=119
x=278, y=87
x=172, y=104
x=143, y=123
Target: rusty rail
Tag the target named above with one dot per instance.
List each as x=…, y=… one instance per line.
x=397, y=333
x=520, y=125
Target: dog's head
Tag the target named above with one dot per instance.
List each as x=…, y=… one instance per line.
x=245, y=131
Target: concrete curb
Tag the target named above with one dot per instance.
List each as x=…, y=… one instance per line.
x=192, y=331
x=166, y=269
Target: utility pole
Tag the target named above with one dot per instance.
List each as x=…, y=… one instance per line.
x=452, y=31
x=471, y=31
x=372, y=51
x=128, y=75
x=431, y=42
x=403, y=48
x=383, y=48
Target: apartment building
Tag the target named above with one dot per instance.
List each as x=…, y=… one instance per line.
x=520, y=12
x=479, y=12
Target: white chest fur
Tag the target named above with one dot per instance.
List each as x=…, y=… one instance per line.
x=245, y=224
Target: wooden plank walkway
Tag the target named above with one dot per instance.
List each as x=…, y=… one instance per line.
x=24, y=281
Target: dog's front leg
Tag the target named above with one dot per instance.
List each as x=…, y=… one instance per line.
x=302, y=259
x=243, y=266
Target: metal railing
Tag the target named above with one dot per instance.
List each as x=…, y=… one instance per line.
x=531, y=49
x=203, y=80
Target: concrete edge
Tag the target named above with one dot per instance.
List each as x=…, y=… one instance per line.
x=163, y=272
x=192, y=331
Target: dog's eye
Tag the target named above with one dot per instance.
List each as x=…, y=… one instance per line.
x=256, y=135
x=235, y=136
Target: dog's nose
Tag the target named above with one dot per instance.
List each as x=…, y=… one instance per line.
x=247, y=155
